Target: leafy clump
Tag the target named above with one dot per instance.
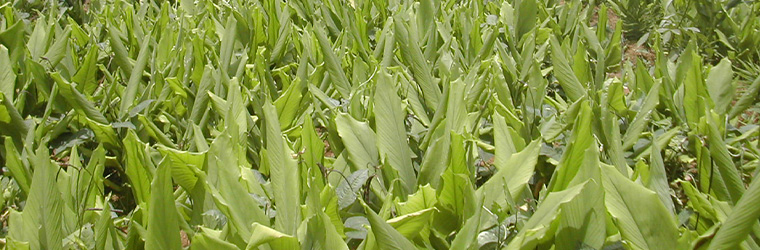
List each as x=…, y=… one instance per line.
x=526, y=124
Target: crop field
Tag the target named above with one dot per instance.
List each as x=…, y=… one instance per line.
x=380, y=124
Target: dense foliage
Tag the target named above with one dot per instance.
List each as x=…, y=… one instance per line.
x=384, y=124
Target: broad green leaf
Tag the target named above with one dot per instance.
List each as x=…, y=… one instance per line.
x=7, y=74
x=129, y=95
x=90, y=179
x=163, y=225
x=288, y=104
x=138, y=167
x=391, y=134
x=284, y=173
x=210, y=241
x=740, y=221
x=457, y=193
x=386, y=236
x=313, y=150
x=412, y=55
x=227, y=45
x=277, y=240
x=720, y=85
x=40, y=224
x=693, y=88
x=229, y=195
x=658, y=179
x=572, y=158
x=59, y=48
x=76, y=100
x=511, y=177
x=469, y=232
x=105, y=236
x=727, y=176
x=333, y=65
x=412, y=224
x=182, y=164
x=86, y=76
x=749, y=97
x=424, y=198
x=644, y=222
x=11, y=123
x=322, y=231
x=10, y=38
x=105, y=133
x=564, y=74
x=639, y=122
x=121, y=56
x=526, y=14
x=359, y=141
x=200, y=104
x=539, y=226
x=16, y=166
x=583, y=221
x=434, y=162
x=505, y=147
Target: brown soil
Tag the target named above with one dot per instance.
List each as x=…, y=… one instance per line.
x=184, y=238
x=632, y=51
x=612, y=18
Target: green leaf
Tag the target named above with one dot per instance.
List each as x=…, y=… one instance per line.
x=457, y=193
x=740, y=221
x=412, y=55
x=564, y=73
x=720, y=85
x=359, y=140
x=223, y=182
x=727, y=176
x=128, y=97
x=412, y=224
x=511, y=177
x=321, y=230
x=7, y=75
x=333, y=65
x=386, y=236
x=200, y=104
x=86, y=75
x=526, y=17
x=208, y=239
x=423, y=199
x=434, y=162
x=314, y=149
x=277, y=240
x=183, y=165
x=538, y=227
x=76, y=100
x=121, y=57
x=11, y=123
x=20, y=171
x=643, y=220
x=288, y=104
x=139, y=168
x=104, y=230
x=746, y=100
x=41, y=221
x=572, y=158
x=391, y=134
x=284, y=173
x=693, y=88
x=642, y=116
x=469, y=232
x=163, y=230
x=59, y=49
x=658, y=179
